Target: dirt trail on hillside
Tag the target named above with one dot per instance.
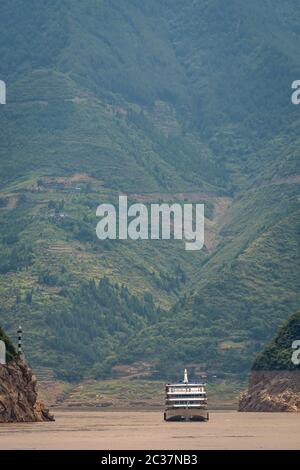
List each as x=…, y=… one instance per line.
x=191, y=196
x=294, y=179
x=213, y=227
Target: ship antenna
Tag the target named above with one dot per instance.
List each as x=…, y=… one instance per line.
x=185, y=378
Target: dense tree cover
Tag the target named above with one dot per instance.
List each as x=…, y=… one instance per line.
x=222, y=73
x=90, y=327
x=148, y=97
x=15, y=258
x=277, y=355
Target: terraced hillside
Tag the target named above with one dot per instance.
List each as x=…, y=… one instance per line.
x=163, y=101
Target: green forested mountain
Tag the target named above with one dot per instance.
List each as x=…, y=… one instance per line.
x=174, y=101
x=277, y=355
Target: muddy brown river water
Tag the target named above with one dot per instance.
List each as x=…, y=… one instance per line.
x=147, y=430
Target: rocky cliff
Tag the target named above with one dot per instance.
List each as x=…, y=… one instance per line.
x=18, y=394
x=274, y=382
x=272, y=391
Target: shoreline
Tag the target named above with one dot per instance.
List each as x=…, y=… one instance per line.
x=145, y=409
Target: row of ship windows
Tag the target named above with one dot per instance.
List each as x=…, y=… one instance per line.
x=186, y=402
x=199, y=395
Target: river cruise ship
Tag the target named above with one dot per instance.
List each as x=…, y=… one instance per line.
x=186, y=401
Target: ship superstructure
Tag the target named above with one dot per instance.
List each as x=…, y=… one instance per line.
x=186, y=401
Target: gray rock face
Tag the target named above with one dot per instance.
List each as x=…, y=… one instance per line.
x=18, y=395
x=272, y=391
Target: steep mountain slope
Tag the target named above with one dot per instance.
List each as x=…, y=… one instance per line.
x=274, y=382
x=222, y=74
x=163, y=101
x=277, y=355
x=248, y=285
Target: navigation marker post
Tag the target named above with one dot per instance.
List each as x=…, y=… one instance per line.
x=20, y=333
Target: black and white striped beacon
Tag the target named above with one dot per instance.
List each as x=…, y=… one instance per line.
x=20, y=331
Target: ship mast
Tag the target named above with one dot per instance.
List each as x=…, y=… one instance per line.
x=185, y=377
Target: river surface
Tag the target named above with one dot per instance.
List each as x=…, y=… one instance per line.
x=147, y=430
